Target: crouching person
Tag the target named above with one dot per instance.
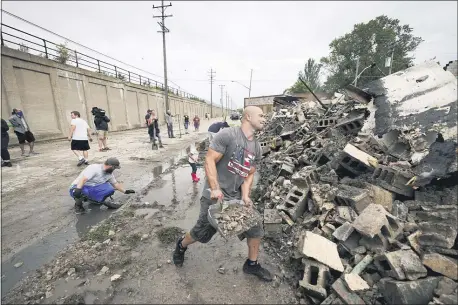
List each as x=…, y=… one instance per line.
x=96, y=182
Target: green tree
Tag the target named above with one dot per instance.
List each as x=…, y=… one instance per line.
x=371, y=42
x=311, y=75
x=63, y=53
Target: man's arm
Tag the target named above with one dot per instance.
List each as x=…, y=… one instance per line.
x=119, y=187
x=72, y=129
x=89, y=133
x=246, y=186
x=81, y=182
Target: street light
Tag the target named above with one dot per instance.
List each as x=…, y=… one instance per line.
x=249, y=88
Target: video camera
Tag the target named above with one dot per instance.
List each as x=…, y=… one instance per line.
x=98, y=112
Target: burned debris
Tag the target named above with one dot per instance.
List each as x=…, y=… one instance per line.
x=360, y=199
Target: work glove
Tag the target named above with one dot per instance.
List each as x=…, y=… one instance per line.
x=77, y=193
x=129, y=192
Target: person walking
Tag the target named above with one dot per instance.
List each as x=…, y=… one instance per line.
x=230, y=165
x=196, y=121
x=153, y=130
x=193, y=156
x=79, y=136
x=96, y=180
x=186, y=123
x=148, y=114
x=169, y=122
x=101, y=126
x=5, y=141
x=22, y=131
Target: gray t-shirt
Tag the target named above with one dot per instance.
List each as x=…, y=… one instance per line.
x=239, y=155
x=95, y=175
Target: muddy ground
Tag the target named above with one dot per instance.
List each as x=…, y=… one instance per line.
x=136, y=243
x=37, y=213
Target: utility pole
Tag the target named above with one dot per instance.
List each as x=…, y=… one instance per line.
x=164, y=30
x=357, y=70
x=221, y=101
x=227, y=97
x=227, y=103
x=251, y=76
x=212, y=79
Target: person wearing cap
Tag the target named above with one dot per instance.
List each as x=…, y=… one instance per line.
x=215, y=128
x=96, y=181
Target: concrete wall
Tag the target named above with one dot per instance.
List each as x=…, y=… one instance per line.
x=48, y=91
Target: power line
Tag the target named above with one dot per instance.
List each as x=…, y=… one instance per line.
x=212, y=79
x=164, y=30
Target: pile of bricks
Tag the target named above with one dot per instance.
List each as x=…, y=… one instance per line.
x=351, y=221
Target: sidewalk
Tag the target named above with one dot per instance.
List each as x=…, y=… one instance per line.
x=35, y=199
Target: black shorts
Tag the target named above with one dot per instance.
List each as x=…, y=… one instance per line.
x=27, y=136
x=81, y=145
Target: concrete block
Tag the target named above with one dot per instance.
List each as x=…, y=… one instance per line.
x=371, y=278
x=412, y=239
x=442, y=264
x=360, y=155
x=295, y=202
x=437, y=234
x=355, y=282
x=381, y=196
x=329, y=300
x=410, y=292
x=272, y=222
x=351, y=164
x=265, y=147
x=352, y=242
x=449, y=299
x=315, y=279
x=305, y=177
x=322, y=250
x=400, y=210
x=377, y=244
x=286, y=170
x=374, y=219
x=345, y=294
x=351, y=126
x=393, y=180
x=401, y=264
x=346, y=212
x=325, y=123
x=343, y=232
x=352, y=196
x=446, y=286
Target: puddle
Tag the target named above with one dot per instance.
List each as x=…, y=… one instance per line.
x=174, y=187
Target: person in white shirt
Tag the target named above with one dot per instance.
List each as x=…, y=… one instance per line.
x=193, y=156
x=79, y=136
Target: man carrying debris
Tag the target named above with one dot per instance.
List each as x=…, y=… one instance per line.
x=230, y=167
x=96, y=180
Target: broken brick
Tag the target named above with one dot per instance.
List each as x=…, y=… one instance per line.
x=437, y=234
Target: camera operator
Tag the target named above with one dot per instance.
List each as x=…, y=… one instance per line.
x=101, y=125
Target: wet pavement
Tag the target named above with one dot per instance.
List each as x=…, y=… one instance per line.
x=50, y=222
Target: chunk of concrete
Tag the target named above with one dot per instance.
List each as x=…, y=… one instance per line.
x=412, y=239
x=272, y=222
x=343, y=232
x=446, y=286
x=345, y=294
x=322, y=250
x=442, y=264
x=374, y=219
x=410, y=292
x=355, y=282
x=346, y=212
x=401, y=264
x=400, y=210
x=381, y=196
x=377, y=244
x=437, y=234
x=360, y=155
x=355, y=197
x=315, y=279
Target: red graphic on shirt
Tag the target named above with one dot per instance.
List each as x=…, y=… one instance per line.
x=240, y=162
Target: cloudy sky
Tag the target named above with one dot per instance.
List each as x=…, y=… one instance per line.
x=272, y=38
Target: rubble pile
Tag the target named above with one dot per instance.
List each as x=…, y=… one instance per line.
x=360, y=199
x=234, y=219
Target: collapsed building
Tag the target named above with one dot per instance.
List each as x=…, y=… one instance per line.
x=360, y=193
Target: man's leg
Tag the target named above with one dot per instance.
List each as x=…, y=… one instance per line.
x=251, y=265
x=31, y=140
x=171, y=130
x=86, y=156
x=201, y=232
x=159, y=139
x=5, y=157
x=104, y=140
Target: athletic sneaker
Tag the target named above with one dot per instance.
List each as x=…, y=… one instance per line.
x=257, y=270
x=7, y=164
x=178, y=254
x=86, y=162
x=80, y=162
x=79, y=209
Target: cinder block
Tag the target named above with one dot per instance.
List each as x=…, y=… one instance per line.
x=360, y=155
x=265, y=148
x=393, y=180
x=437, y=234
x=321, y=249
x=442, y=264
x=401, y=264
x=355, y=197
x=295, y=202
x=343, y=232
x=352, y=165
x=272, y=222
x=351, y=126
x=315, y=278
x=325, y=123
x=377, y=244
x=375, y=219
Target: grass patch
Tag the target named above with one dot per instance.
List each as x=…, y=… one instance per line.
x=100, y=233
x=131, y=240
x=169, y=235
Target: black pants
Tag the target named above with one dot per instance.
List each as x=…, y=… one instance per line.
x=194, y=167
x=5, y=153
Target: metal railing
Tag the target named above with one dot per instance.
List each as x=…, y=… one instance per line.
x=59, y=52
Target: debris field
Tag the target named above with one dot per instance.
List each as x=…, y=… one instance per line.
x=360, y=193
